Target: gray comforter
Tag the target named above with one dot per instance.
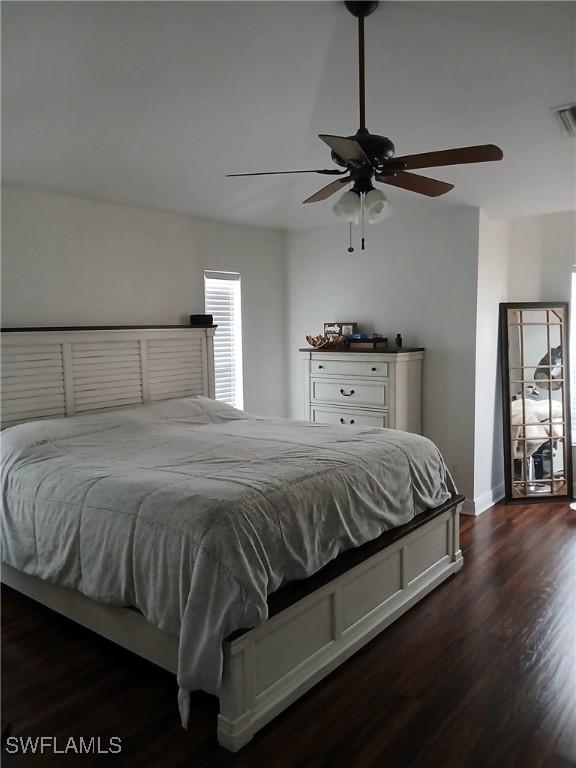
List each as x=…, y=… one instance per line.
x=193, y=512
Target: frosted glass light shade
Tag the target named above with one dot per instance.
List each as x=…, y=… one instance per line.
x=377, y=206
x=347, y=207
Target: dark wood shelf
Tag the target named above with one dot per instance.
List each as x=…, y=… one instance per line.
x=385, y=350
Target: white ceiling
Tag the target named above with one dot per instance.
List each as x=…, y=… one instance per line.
x=151, y=103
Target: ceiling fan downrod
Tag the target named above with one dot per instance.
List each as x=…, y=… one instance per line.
x=365, y=158
x=360, y=10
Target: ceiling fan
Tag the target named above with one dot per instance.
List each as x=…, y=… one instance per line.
x=366, y=157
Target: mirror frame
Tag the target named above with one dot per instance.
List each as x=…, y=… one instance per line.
x=505, y=384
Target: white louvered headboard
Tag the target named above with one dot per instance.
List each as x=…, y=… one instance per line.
x=51, y=372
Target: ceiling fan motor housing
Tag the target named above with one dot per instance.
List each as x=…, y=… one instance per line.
x=378, y=148
x=337, y=159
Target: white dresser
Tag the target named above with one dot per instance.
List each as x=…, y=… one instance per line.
x=376, y=389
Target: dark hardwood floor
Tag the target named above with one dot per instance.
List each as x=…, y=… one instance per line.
x=481, y=673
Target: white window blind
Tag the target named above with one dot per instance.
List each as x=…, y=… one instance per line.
x=222, y=300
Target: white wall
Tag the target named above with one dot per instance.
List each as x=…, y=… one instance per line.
x=436, y=275
x=417, y=276
x=525, y=259
x=69, y=261
x=492, y=289
x=541, y=255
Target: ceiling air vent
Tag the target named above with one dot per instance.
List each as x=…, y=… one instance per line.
x=567, y=118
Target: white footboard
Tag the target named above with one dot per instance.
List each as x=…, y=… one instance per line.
x=269, y=667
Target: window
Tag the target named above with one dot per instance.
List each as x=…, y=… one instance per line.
x=222, y=300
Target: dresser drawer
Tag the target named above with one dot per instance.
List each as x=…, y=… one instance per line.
x=348, y=368
x=351, y=392
x=345, y=416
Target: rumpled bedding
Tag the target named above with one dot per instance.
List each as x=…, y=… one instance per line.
x=193, y=512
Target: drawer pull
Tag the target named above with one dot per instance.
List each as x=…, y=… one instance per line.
x=320, y=367
x=373, y=369
x=347, y=394
x=343, y=421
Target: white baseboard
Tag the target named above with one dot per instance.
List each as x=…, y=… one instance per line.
x=484, y=501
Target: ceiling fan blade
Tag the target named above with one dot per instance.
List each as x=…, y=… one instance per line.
x=480, y=154
x=347, y=149
x=326, y=171
x=416, y=183
x=326, y=191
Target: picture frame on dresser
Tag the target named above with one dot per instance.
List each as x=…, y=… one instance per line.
x=340, y=329
x=364, y=388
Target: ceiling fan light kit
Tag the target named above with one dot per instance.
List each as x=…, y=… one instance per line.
x=367, y=157
x=377, y=206
x=347, y=207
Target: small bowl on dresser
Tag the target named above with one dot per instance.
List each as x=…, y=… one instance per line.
x=326, y=342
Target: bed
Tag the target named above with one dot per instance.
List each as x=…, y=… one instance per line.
x=296, y=543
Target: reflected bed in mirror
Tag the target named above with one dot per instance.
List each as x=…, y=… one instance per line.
x=536, y=400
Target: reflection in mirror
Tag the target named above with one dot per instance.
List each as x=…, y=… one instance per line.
x=534, y=345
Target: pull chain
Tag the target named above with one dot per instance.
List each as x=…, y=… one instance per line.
x=362, y=196
x=350, y=247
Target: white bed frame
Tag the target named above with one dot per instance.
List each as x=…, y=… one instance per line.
x=54, y=372
x=270, y=666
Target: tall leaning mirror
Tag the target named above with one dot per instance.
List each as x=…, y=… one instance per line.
x=536, y=400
